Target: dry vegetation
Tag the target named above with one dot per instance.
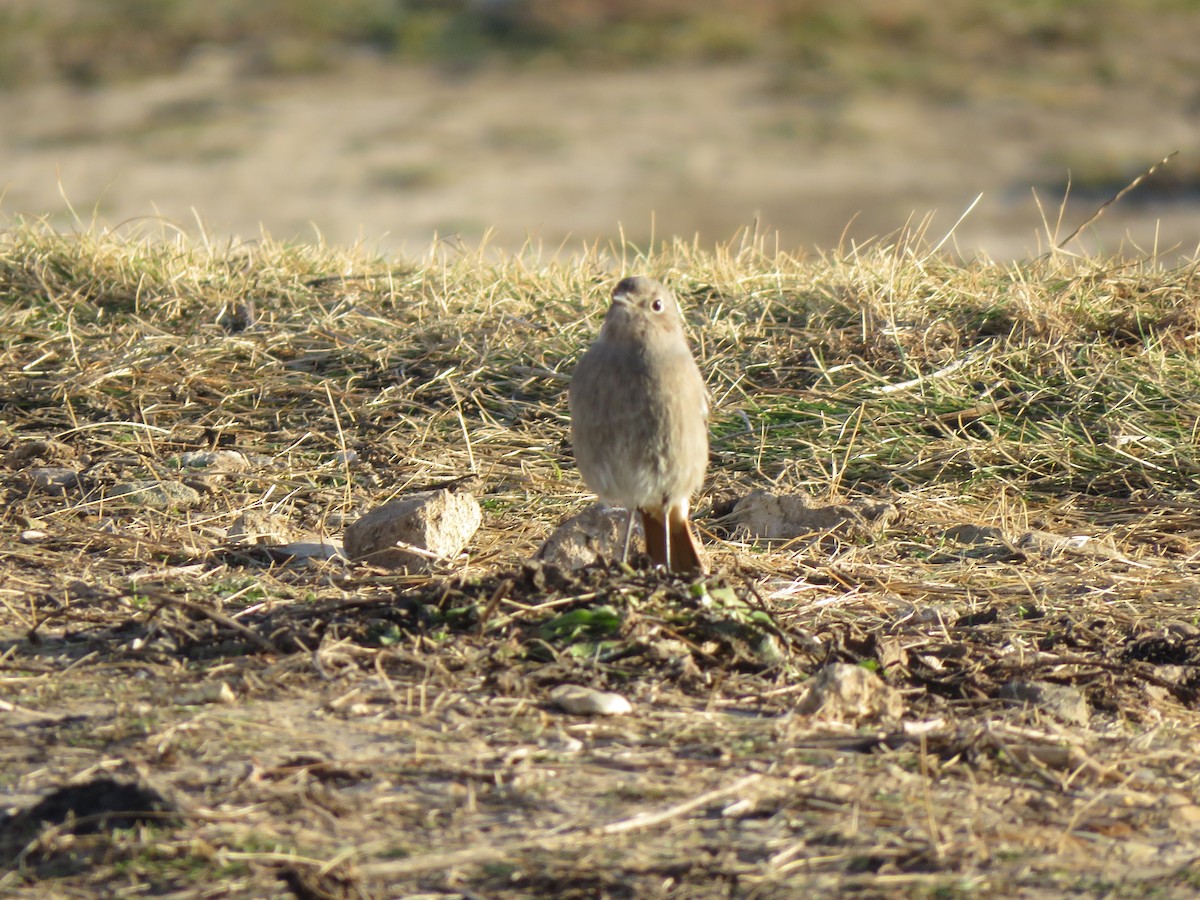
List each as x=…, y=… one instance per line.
x=310, y=727
x=561, y=118
x=853, y=43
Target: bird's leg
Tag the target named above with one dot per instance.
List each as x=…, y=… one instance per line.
x=628, y=535
x=666, y=520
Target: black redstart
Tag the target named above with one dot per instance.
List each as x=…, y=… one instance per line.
x=639, y=420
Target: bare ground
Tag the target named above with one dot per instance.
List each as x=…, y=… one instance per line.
x=183, y=715
x=363, y=738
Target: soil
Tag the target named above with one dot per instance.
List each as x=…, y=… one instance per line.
x=184, y=716
x=353, y=732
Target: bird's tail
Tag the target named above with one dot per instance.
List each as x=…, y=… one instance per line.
x=675, y=534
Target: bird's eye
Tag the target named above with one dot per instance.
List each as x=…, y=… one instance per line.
x=657, y=305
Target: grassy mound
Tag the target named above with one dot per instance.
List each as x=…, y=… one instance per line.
x=339, y=730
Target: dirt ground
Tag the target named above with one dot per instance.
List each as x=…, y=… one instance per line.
x=982, y=691
x=323, y=732
x=390, y=156
x=185, y=716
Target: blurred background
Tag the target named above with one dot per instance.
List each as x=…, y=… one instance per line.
x=397, y=123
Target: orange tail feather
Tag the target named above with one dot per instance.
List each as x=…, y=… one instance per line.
x=685, y=553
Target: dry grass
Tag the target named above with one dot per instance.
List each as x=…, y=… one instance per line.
x=335, y=730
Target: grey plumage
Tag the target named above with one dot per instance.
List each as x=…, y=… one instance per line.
x=639, y=418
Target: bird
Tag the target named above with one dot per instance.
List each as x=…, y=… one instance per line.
x=639, y=420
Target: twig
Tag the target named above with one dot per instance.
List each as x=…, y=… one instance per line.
x=921, y=379
x=648, y=820
x=539, y=372
x=326, y=280
x=497, y=595
x=1121, y=193
x=7, y=706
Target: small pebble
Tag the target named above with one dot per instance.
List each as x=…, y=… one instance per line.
x=847, y=693
x=1064, y=701
x=54, y=480
x=210, y=692
x=585, y=701
x=217, y=460
x=161, y=495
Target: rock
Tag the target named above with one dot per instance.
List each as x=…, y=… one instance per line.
x=841, y=692
x=1185, y=817
x=57, y=481
x=223, y=461
x=33, y=536
x=984, y=543
x=416, y=531
x=156, y=494
x=594, y=534
x=260, y=526
x=47, y=453
x=585, y=701
x=207, y=692
x=1061, y=700
x=1181, y=629
x=967, y=533
x=762, y=515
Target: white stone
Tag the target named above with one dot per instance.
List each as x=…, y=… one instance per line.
x=156, y=494
x=215, y=460
x=260, y=526
x=766, y=516
x=585, y=701
x=842, y=692
x=596, y=533
x=1062, y=700
x=209, y=692
x=415, y=532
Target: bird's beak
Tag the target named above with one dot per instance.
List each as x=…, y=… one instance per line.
x=620, y=300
